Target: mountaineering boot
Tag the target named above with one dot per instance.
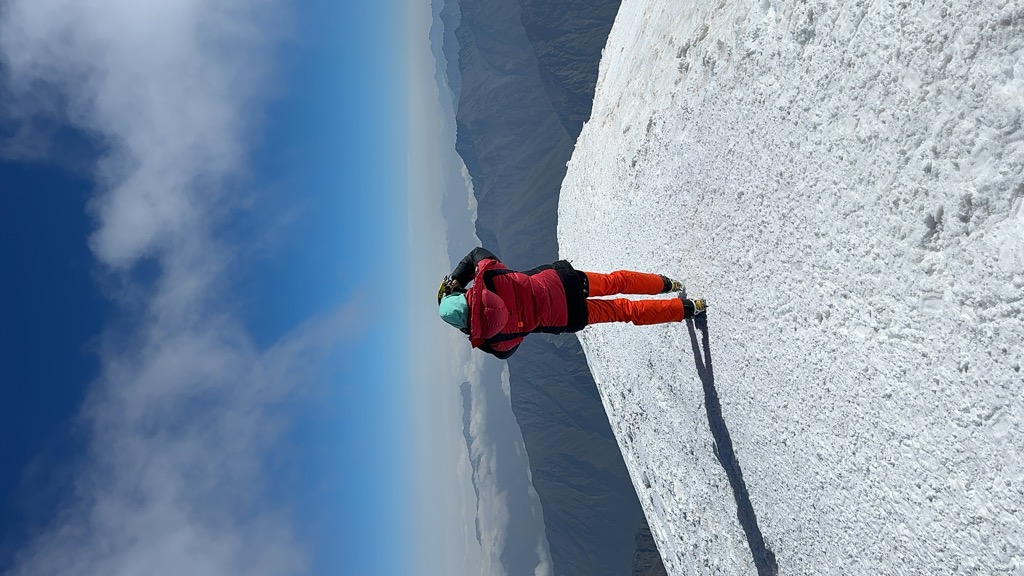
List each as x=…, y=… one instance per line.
x=692, y=308
x=673, y=285
x=700, y=306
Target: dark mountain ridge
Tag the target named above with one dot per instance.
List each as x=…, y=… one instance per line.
x=524, y=86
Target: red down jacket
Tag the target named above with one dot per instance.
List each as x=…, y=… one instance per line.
x=505, y=305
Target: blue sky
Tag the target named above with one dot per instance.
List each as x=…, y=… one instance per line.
x=204, y=247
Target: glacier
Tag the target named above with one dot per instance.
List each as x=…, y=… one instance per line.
x=843, y=181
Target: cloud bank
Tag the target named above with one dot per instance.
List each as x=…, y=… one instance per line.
x=187, y=407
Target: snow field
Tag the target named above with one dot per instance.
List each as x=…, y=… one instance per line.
x=843, y=182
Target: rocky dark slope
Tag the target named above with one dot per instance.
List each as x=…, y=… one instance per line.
x=525, y=85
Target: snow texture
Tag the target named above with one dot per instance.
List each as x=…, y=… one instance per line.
x=843, y=181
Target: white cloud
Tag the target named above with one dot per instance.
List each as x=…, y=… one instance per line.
x=445, y=502
x=179, y=432
x=187, y=406
x=492, y=503
x=180, y=429
x=169, y=87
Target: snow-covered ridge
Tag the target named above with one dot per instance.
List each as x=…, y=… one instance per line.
x=843, y=181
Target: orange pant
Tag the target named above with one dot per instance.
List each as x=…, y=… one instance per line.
x=638, y=312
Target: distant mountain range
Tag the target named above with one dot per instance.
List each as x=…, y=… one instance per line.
x=524, y=86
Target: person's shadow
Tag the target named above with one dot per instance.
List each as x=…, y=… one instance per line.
x=764, y=558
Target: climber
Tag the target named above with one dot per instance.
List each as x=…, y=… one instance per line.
x=497, y=307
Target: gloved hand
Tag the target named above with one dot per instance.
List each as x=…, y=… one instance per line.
x=448, y=285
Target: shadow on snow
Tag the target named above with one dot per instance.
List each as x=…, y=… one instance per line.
x=764, y=559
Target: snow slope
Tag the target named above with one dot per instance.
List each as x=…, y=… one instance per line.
x=843, y=181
